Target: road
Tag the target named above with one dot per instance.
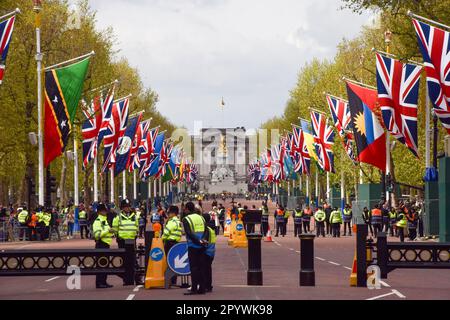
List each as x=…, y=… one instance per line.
x=280, y=263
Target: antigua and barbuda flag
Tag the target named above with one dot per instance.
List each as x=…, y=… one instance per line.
x=370, y=137
x=6, y=30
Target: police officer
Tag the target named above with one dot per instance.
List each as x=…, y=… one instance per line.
x=172, y=232
x=336, y=221
x=327, y=208
x=103, y=238
x=23, y=217
x=377, y=219
x=298, y=213
x=392, y=222
x=347, y=216
x=411, y=216
x=125, y=224
x=82, y=220
x=264, y=218
x=320, y=217
x=197, y=236
x=279, y=219
x=401, y=225
x=210, y=253
x=367, y=217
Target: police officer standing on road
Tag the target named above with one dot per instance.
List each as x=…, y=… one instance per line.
x=298, y=213
x=327, y=208
x=103, y=238
x=23, y=218
x=377, y=219
x=347, y=216
x=320, y=217
x=82, y=220
x=197, y=236
x=125, y=224
x=210, y=253
x=367, y=217
x=172, y=232
x=307, y=214
x=264, y=218
x=336, y=221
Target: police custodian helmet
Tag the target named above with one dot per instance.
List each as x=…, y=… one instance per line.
x=125, y=203
x=101, y=207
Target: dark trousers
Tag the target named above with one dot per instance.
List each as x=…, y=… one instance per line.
x=347, y=224
x=281, y=228
x=209, y=261
x=412, y=233
x=198, y=269
x=401, y=234
x=297, y=229
x=222, y=224
x=25, y=232
x=84, y=230
x=377, y=227
x=167, y=246
x=370, y=227
x=264, y=228
x=328, y=226
x=336, y=229
x=421, y=228
x=306, y=226
x=393, y=230
x=100, y=279
x=55, y=229
x=320, y=228
x=141, y=231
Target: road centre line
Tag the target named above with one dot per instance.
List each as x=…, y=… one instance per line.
x=393, y=291
x=130, y=297
x=51, y=279
x=334, y=263
x=137, y=288
x=321, y=259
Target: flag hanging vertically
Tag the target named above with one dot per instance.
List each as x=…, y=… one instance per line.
x=63, y=88
x=115, y=132
x=146, y=151
x=370, y=137
x=90, y=129
x=6, y=29
x=309, y=139
x=323, y=141
x=434, y=45
x=164, y=158
x=153, y=164
x=398, y=95
x=340, y=113
x=138, y=145
x=267, y=167
x=299, y=151
x=126, y=143
x=106, y=115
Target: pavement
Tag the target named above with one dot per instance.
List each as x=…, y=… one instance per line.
x=280, y=265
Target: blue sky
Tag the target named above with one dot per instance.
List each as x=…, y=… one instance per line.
x=193, y=52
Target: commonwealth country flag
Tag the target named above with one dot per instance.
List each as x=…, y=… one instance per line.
x=63, y=88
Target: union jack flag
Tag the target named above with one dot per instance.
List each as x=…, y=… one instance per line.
x=398, y=95
x=278, y=154
x=138, y=145
x=434, y=44
x=106, y=116
x=340, y=112
x=146, y=151
x=254, y=172
x=299, y=151
x=323, y=141
x=190, y=171
x=6, y=29
x=164, y=158
x=116, y=129
x=90, y=129
x=266, y=169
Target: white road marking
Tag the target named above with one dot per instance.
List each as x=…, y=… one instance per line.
x=297, y=251
x=321, y=259
x=393, y=291
x=398, y=294
x=137, y=288
x=51, y=279
x=347, y=268
x=291, y=249
x=336, y=264
x=385, y=284
x=130, y=297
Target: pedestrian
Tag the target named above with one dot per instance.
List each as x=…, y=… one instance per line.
x=419, y=212
x=306, y=219
x=197, y=236
x=411, y=216
x=222, y=216
x=336, y=221
x=367, y=217
x=401, y=225
x=377, y=219
x=385, y=213
x=214, y=221
x=141, y=221
x=172, y=232
x=264, y=218
x=210, y=254
x=82, y=221
x=393, y=222
x=103, y=238
x=347, y=216
x=319, y=218
x=298, y=213
x=70, y=221
x=54, y=223
x=327, y=208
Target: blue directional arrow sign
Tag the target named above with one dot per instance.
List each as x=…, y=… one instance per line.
x=177, y=259
x=239, y=227
x=228, y=221
x=156, y=254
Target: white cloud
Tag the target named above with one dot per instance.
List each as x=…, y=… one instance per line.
x=193, y=52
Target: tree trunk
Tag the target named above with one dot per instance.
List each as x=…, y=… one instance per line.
x=87, y=188
x=62, y=180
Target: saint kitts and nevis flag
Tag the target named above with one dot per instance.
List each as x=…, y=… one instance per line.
x=63, y=88
x=6, y=30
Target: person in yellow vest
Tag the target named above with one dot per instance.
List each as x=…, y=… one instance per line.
x=125, y=224
x=23, y=217
x=40, y=225
x=172, y=232
x=197, y=236
x=393, y=222
x=46, y=218
x=306, y=219
x=103, y=238
x=319, y=218
x=347, y=216
x=298, y=213
x=210, y=254
x=401, y=225
x=287, y=214
x=279, y=219
x=336, y=221
x=82, y=221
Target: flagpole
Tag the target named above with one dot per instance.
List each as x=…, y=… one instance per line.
x=317, y=188
x=124, y=184
x=387, y=40
x=75, y=180
x=95, y=179
x=342, y=184
x=12, y=13
x=412, y=15
x=427, y=132
x=111, y=195
x=134, y=186
x=37, y=9
x=328, y=187
x=87, y=55
x=154, y=188
x=308, y=195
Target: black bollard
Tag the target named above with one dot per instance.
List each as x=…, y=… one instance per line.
x=307, y=274
x=361, y=255
x=254, y=273
x=148, y=237
x=130, y=263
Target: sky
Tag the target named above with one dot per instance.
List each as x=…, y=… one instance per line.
x=194, y=52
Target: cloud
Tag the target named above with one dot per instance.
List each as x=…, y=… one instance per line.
x=193, y=52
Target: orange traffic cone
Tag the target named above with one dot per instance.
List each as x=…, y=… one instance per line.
x=268, y=237
x=353, y=276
